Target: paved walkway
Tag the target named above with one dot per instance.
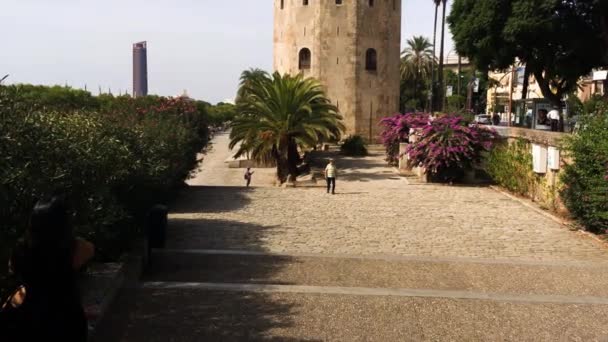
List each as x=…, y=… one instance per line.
x=385, y=259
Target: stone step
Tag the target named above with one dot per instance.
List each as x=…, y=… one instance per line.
x=181, y=314
x=454, y=277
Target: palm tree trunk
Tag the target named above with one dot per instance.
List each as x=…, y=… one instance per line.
x=441, y=90
x=432, y=88
x=293, y=159
x=416, y=90
x=282, y=169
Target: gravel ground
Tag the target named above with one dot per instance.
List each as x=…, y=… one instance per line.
x=408, y=236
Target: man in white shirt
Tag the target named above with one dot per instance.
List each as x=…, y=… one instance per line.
x=554, y=118
x=330, y=176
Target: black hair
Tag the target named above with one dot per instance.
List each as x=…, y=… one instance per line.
x=49, y=223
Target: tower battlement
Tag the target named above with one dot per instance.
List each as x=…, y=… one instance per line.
x=352, y=47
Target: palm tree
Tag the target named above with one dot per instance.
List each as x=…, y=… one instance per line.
x=247, y=78
x=417, y=62
x=280, y=113
x=441, y=90
x=432, y=88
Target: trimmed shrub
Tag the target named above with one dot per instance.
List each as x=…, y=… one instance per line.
x=113, y=161
x=586, y=187
x=354, y=146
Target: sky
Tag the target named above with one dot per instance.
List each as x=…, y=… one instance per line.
x=200, y=46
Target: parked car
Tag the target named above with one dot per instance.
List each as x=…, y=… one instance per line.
x=483, y=119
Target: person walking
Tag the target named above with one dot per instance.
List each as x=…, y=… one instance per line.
x=247, y=176
x=330, y=176
x=47, y=305
x=554, y=117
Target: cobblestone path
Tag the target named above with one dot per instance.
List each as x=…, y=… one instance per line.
x=385, y=259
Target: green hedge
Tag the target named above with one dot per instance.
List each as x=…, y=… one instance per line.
x=354, y=146
x=586, y=190
x=113, y=159
x=510, y=165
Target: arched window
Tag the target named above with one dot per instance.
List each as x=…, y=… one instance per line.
x=282, y=4
x=371, y=60
x=305, y=2
x=371, y=3
x=338, y=2
x=304, y=59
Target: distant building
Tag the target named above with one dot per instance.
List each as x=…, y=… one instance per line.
x=593, y=84
x=140, y=69
x=352, y=47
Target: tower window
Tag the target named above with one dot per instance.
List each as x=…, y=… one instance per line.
x=371, y=60
x=338, y=2
x=304, y=59
x=282, y=4
x=371, y=3
x=305, y=2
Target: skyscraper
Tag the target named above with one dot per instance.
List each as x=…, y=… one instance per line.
x=140, y=69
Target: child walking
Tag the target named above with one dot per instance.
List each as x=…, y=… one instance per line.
x=247, y=176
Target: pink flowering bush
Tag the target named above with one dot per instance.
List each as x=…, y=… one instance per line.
x=397, y=130
x=448, y=145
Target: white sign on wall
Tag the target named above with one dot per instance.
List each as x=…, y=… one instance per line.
x=600, y=75
x=553, y=158
x=539, y=158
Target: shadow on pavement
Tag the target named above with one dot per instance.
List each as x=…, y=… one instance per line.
x=190, y=314
x=210, y=199
x=197, y=233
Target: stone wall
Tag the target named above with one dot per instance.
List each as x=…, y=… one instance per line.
x=338, y=37
x=547, y=185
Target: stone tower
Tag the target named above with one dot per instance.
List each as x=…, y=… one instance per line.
x=352, y=47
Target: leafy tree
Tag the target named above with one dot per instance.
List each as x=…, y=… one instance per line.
x=279, y=114
x=558, y=40
x=221, y=113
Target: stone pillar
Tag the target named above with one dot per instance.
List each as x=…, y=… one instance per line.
x=403, y=156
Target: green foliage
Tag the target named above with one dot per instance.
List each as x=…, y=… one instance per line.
x=596, y=105
x=354, y=146
x=510, y=165
x=279, y=113
x=586, y=190
x=455, y=104
x=558, y=41
x=58, y=98
x=220, y=114
x=112, y=160
x=417, y=62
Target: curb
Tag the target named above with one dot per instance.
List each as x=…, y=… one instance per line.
x=128, y=276
x=564, y=222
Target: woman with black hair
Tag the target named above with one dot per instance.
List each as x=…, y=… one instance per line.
x=47, y=305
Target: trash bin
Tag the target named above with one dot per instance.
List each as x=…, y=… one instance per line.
x=156, y=226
